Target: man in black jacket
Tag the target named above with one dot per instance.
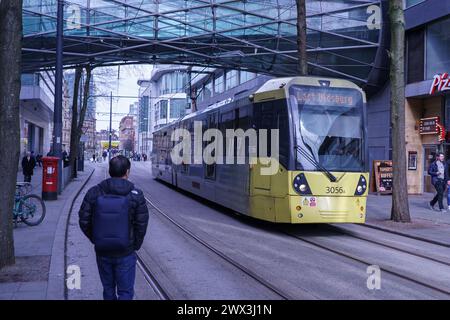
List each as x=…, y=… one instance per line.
x=117, y=268
x=438, y=174
x=28, y=164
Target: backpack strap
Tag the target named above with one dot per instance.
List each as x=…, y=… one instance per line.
x=102, y=191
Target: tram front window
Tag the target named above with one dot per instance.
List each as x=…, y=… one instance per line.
x=329, y=128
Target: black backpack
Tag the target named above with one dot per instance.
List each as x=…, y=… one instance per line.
x=111, y=222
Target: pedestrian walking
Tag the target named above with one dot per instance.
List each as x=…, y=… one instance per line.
x=39, y=160
x=447, y=182
x=93, y=157
x=28, y=164
x=438, y=179
x=115, y=240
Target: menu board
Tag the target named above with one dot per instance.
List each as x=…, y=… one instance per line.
x=382, y=176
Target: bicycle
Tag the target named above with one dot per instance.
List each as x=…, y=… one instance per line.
x=28, y=208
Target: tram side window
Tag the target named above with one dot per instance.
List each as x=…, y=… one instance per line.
x=184, y=166
x=283, y=127
x=266, y=121
x=245, y=123
x=210, y=169
x=226, y=122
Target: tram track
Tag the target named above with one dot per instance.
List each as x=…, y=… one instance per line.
x=392, y=271
x=221, y=254
x=406, y=235
x=386, y=245
x=151, y=280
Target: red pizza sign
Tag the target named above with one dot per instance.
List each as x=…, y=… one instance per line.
x=441, y=82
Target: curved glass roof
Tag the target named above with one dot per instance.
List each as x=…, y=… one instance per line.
x=345, y=37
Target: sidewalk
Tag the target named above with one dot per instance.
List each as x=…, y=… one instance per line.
x=428, y=224
x=39, y=269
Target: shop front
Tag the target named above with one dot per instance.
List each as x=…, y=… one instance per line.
x=427, y=123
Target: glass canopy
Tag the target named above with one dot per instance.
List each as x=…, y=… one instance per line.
x=345, y=37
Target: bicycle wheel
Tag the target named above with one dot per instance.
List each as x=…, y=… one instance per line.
x=32, y=210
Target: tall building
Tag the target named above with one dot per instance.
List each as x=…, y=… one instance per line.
x=67, y=116
x=162, y=99
x=127, y=134
x=36, y=112
x=134, y=112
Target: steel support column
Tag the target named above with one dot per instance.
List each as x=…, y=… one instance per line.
x=57, y=110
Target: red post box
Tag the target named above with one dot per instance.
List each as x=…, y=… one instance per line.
x=50, y=178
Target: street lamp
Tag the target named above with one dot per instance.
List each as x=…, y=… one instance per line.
x=57, y=109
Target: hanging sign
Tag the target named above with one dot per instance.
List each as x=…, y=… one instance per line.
x=441, y=82
x=432, y=126
x=429, y=125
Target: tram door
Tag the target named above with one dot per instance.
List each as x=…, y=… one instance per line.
x=429, y=156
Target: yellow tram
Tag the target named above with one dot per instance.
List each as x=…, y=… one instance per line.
x=317, y=162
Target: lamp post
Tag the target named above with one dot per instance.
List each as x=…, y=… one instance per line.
x=110, y=125
x=57, y=110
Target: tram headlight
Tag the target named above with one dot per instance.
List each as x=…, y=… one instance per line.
x=301, y=185
x=361, y=187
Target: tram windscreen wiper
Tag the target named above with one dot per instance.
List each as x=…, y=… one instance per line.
x=311, y=159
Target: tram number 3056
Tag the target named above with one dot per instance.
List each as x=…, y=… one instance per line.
x=335, y=190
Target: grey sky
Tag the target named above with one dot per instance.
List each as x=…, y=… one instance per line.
x=126, y=85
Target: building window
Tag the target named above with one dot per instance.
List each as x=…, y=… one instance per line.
x=207, y=90
x=416, y=56
x=246, y=76
x=163, y=109
x=199, y=95
x=177, y=108
x=173, y=82
x=156, y=111
x=438, y=47
x=218, y=84
x=232, y=79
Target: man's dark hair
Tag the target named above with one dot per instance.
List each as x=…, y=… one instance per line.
x=118, y=166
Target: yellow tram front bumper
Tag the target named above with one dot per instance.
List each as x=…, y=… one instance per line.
x=325, y=209
x=310, y=209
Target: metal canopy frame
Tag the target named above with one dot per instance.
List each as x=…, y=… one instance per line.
x=257, y=35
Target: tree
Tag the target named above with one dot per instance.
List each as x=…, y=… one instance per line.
x=10, y=60
x=78, y=116
x=301, y=37
x=400, y=206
